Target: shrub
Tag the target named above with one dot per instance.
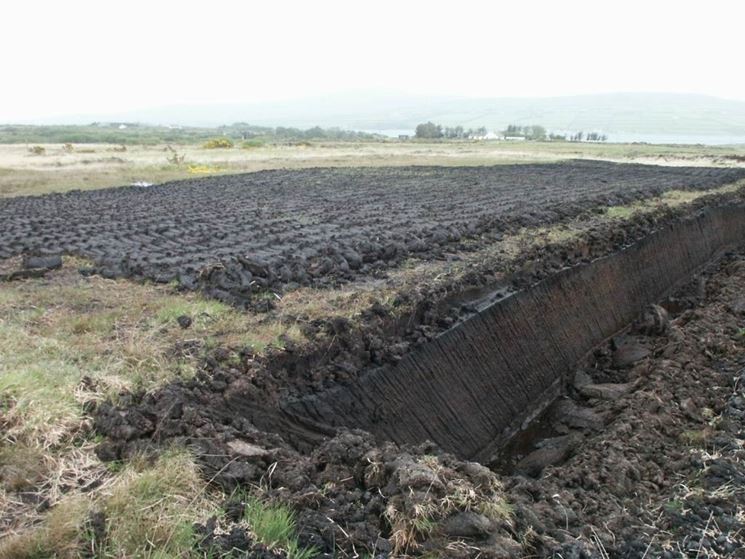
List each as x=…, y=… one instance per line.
x=175, y=158
x=250, y=144
x=217, y=143
x=37, y=150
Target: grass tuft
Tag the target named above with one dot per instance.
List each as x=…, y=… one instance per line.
x=274, y=525
x=151, y=507
x=148, y=509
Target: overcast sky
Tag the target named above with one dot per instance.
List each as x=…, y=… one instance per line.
x=87, y=57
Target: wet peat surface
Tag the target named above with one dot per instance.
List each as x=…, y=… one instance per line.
x=235, y=235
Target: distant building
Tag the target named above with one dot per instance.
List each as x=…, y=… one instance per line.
x=403, y=136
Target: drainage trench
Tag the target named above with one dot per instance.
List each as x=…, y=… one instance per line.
x=473, y=387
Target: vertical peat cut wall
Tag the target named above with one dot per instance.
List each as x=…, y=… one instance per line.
x=473, y=386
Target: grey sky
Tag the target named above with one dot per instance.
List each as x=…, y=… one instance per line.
x=89, y=57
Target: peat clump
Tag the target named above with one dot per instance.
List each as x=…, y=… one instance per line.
x=657, y=469
x=615, y=444
x=29, y=266
x=241, y=237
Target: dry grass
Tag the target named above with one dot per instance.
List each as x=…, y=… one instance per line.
x=97, y=166
x=58, y=331
x=418, y=515
x=686, y=495
x=64, y=340
x=147, y=510
x=87, y=166
x=672, y=199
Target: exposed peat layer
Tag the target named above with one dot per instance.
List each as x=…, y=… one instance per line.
x=642, y=453
x=236, y=236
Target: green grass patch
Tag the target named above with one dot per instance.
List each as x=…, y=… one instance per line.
x=201, y=311
x=38, y=377
x=151, y=507
x=274, y=525
x=696, y=438
x=674, y=507
x=252, y=144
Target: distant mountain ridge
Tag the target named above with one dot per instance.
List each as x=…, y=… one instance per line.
x=626, y=113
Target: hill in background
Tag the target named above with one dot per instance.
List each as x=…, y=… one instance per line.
x=615, y=113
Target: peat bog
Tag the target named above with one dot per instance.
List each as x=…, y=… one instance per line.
x=630, y=445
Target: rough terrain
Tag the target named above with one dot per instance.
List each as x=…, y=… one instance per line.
x=238, y=235
x=644, y=455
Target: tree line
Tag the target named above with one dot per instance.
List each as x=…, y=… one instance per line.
x=430, y=130
x=129, y=133
x=538, y=133
x=534, y=132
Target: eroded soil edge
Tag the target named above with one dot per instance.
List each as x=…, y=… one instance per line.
x=470, y=388
x=661, y=410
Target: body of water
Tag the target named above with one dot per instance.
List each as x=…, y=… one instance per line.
x=707, y=140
